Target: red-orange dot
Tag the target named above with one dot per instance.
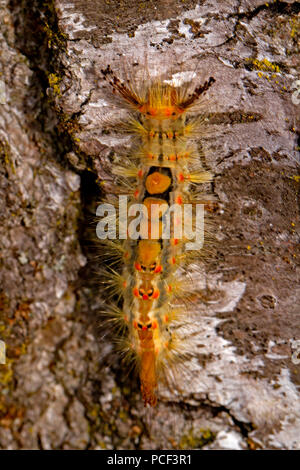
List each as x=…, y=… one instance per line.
x=137, y=266
x=126, y=254
x=124, y=284
x=136, y=292
x=140, y=173
x=180, y=177
x=175, y=241
x=173, y=260
x=172, y=157
x=166, y=318
x=136, y=193
x=134, y=324
x=158, y=269
x=169, y=288
x=179, y=200
x=154, y=325
x=170, y=135
x=126, y=318
x=145, y=297
x=156, y=294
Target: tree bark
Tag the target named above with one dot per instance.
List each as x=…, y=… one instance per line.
x=62, y=386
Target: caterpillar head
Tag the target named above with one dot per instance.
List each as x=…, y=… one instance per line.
x=165, y=102
x=161, y=102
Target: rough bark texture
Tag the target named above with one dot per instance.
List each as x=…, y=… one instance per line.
x=62, y=386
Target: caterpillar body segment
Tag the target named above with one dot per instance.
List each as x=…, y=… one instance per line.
x=162, y=170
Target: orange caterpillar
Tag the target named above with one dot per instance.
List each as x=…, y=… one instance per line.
x=163, y=169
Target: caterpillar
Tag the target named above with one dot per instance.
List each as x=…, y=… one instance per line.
x=163, y=173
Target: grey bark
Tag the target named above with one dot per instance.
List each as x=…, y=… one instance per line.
x=62, y=386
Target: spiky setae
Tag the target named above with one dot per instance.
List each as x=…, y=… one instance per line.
x=153, y=288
